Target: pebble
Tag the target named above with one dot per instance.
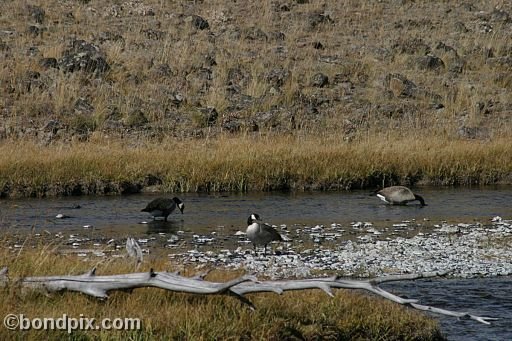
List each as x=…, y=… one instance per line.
x=465, y=250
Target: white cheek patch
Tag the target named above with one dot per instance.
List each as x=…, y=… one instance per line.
x=253, y=217
x=383, y=198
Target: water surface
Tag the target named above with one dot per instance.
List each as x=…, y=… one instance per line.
x=227, y=213
x=206, y=211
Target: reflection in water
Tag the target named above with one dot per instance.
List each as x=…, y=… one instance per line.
x=227, y=213
x=485, y=297
x=161, y=226
x=230, y=211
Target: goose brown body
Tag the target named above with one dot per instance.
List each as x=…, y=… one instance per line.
x=162, y=207
x=260, y=233
x=398, y=195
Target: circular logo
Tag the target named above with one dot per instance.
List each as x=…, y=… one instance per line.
x=11, y=321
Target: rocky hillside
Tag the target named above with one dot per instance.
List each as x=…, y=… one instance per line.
x=70, y=69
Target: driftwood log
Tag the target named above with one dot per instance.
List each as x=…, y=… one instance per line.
x=99, y=286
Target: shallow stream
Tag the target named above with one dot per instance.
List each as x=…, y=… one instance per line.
x=226, y=214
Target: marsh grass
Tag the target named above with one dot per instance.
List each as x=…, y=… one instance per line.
x=353, y=133
x=309, y=314
x=249, y=163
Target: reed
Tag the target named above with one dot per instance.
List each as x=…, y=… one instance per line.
x=347, y=316
x=249, y=163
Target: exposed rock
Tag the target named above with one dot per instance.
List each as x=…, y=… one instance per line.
x=276, y=119
x=429, y=62
x=463, y=249
x=231, y=123
x=319, y=80
x=130, y=8
x=209, y=60
x=233, y=89
x=207, y=116
x=331, y=59
x=198, y=22
x=3, y=46
x=411, y=46
x=473, y=133
x=37, y=13
x=238, y=77
x=316, y=19
x=499, y=61
x=135, y=118
x=255, y=33
x=52, y=126
x=83, y=107
x=451, y=58
x=460, y=27
x=34, y=31
x=176, y=98
x=31, y=80
x=48, y=63
x=498, y=15
x=33, y=51
x=83, y=56
x=317, y=45
x=162, y=71
x=152, y=34
x=51, y=131
x=151, y=180
x=277, y=76
x=280, y=7
x=277, y=36
x=400, y=86
x=109, y=36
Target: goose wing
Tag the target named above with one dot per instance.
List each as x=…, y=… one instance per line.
x=270, y=232
x=397, y=194
x=159, y=204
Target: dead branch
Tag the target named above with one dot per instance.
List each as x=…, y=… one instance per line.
x=99, y=286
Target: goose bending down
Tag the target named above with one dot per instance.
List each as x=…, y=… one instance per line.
x=260, y=233
x=162, y=207
x=398, y=195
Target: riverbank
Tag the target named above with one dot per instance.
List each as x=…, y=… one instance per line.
x=248, y=163
x=174, y=315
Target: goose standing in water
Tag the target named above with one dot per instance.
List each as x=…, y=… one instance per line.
x=162, y=207
x=398, y=195
x=260, y=233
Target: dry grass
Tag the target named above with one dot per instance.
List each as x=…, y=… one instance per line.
x=348, y=316
x=365, y=42
x=248, y=163
x=274, y=130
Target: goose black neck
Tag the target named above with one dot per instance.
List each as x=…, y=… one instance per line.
x=420, y=199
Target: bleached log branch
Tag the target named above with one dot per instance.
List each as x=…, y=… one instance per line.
x=134, y=250
x=99, y=286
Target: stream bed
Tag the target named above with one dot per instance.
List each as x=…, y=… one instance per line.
x=466, y=231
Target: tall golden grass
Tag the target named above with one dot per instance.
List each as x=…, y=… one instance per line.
x=166, y=315
x=250, y=163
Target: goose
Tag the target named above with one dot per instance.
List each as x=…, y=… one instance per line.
x=260, y=233
x=398, y=195
x=162, y=207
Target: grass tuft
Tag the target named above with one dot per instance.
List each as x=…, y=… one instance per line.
x=249, y=163
x=347, y=316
